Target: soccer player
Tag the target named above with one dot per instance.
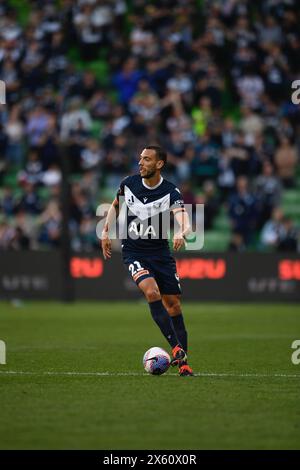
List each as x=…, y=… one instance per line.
x=145, y=249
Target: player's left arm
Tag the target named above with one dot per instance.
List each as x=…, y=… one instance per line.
x=183, y=228
x=181, y=222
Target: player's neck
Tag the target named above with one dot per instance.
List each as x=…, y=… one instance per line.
x=153, y=181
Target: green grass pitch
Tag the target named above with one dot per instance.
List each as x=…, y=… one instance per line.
x=54, y=394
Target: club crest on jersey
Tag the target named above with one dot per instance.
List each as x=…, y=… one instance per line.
x=130, y=201
x=157, y=205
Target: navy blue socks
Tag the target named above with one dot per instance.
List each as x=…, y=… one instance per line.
x=164, y=322
x=181, y=333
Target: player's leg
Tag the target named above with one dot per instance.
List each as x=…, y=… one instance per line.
x=142, y=272
x=169, y=286
x=159, y=314
x=173, y=307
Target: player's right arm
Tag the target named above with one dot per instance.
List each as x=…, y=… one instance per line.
x=110, y=218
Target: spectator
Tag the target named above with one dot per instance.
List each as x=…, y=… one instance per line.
x=3, y=149
x=27, y=223
x=19, y=240
x=202, y=115
x=211, y=204
x=117, y=163
x=120, y=121
x=179, y=159
x=239, y=155
x=89, y=183
x=37, y=125
x=91, y=155
x=75, y=118
x=228, y=133
x=101, y=105
x=7, y=202
x=205, y=163
x=289, y=237
x=267, y=188
x=250, y=88
x=52, y=176
x=145, y=102
x=226, y=177
x=179, y=121
x=237, y=243
x=48, y=145
x=30, y=201
x=188, y=194
x=180, y=81
x=15, y=130
x=11, y=78
x=270, y=31
x=275, y=68
x=286, y=159
x=243, y=210
x=140, y=37
x=251, y=125
x=50, y=225
x=271, y=230
x=7, y=234
x=32, y=172
x=86, y=87
x=126, y=81
x=87, y=235
x=89, y=36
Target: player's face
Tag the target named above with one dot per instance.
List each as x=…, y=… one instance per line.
x=148, y=164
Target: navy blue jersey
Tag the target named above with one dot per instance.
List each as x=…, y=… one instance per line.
x=147, y=214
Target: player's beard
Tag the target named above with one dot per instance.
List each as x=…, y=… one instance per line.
x=149, y=174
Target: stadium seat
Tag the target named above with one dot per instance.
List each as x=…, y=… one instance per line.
x=222, y=223
x=215, y=240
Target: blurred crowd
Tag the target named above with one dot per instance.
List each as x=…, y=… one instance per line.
x=208, y=80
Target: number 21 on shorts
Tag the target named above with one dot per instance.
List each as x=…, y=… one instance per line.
x=137, y=270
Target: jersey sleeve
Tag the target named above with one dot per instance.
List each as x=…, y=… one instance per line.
x=120, y=191
x=176, y=201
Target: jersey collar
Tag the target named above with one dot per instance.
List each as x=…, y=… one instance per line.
x=152, y=187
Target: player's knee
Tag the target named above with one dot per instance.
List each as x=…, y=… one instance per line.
x=152, y=295
x=174, y=308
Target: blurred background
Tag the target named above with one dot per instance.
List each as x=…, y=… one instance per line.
x=89, y=83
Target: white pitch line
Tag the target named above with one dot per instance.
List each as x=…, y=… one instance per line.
x=137, y=374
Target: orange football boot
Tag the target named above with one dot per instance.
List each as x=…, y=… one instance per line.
x=185, y=370
x=179, y=356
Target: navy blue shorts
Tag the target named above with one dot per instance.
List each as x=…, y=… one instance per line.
x=161, y=267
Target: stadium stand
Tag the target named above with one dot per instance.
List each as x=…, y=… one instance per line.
x=208, y=80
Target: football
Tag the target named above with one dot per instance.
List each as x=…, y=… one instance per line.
x=156, y=361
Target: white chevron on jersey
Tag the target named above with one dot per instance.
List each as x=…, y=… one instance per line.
x=144, y=211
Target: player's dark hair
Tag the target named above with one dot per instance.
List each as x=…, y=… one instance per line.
x=160, y=153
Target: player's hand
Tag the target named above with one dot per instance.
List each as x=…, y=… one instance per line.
x=106, y=246
x=178, y=241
